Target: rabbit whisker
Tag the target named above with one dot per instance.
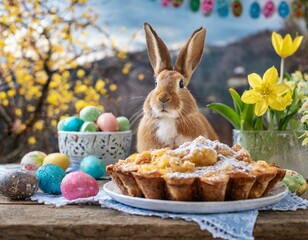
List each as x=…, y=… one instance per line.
x=136, y=118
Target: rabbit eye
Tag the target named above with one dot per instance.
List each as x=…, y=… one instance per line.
x=181, y=83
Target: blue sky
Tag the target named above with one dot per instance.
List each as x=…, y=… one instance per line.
x=175, y=25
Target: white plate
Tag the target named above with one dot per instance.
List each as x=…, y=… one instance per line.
x=275, y=195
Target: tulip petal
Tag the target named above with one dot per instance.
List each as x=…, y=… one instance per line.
x=254, y=80
x=280, y=89
x=296, y=43
x=277, y=42
x=261, y=107
x=250, y=96
x=287, y=45
x=271, y=75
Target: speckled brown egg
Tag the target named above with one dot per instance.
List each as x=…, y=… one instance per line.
x=19, y=185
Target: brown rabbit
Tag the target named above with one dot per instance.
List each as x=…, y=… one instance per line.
x=170, y=113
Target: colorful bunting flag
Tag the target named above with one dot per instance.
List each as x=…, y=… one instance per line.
x=207, y=7
x=237, y=8
x=194, y=5
x=283, y=9
x=255, y=10
x=222, y=8
x=268, y=8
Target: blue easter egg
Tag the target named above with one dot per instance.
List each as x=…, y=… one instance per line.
x=60, y=125
x=72, y=124
x=50, y=177
x=283, y=9
x=222, y=8
x=255, y=10
x=93, y=166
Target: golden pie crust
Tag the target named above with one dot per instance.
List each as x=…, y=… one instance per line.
x=201, y=170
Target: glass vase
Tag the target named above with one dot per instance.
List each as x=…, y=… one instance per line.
x=282, y=147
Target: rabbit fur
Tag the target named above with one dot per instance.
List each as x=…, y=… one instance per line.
x=170, y=113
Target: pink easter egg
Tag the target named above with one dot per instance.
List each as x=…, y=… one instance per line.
x=268, y=9
x=78, y=185
x=107, y=122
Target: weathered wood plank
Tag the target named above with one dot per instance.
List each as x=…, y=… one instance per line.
x=41, y=221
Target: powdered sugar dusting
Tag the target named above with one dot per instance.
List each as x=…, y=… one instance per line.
x=224, y=164
x=208, y=156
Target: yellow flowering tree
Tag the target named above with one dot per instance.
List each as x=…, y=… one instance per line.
x=40, y=80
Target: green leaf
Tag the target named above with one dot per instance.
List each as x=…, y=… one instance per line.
x=258, y=124
x=238, y=103
x=287, y=76
x=271, y=123
x=283, y=123
x=227, y=112
x=247, y=117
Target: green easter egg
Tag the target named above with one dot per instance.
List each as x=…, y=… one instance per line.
x=90, y=113
x=88, y=127
x=124, y=124
x=295, y=182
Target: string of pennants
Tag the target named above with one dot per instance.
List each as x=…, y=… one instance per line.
x=256, y=9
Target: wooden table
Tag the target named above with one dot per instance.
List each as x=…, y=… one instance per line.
x=30, y=220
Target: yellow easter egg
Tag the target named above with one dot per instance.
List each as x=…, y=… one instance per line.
x=58, y=159
x=133, y=156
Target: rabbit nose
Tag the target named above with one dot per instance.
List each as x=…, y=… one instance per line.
x=164, y=98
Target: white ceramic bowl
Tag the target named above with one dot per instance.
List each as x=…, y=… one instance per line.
x=108, y=146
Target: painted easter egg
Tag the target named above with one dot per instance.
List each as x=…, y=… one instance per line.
x=237, y=8
x=177, y=3
x=222, y=8
x=207, y=7
x=88, y=127
x=78, y=185
x=255, y=10
x=298, y=8
x=107, y=122
x=194, y=5
x=90, y=113
x=165, y=3
x=32, y=160
x=60, y=125
x=59, y=159
x=295, y=182
x=72, y=124
x=123, y=123
x=50, y=177
x=132, y=156
x=19, y=185
x=268, y=9
x=283, y=9
x=93, y=166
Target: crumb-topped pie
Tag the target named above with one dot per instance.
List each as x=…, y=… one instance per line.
x=201, y=170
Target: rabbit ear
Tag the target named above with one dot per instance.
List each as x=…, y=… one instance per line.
x=158, y=53
x=190, y=55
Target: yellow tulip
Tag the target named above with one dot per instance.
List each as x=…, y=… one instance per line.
x=285, y=47
x=266, y=92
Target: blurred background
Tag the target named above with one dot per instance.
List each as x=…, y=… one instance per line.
x=60, y=56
